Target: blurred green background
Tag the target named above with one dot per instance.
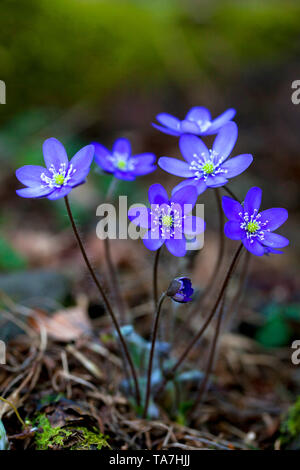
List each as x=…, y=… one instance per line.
x=84, y=70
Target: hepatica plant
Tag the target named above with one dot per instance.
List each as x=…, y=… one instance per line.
x=167, y=224
x=180, y=290
x=167, y=220
x=198, y=121
x=121, y=163
x=207, y=168
x=255, y=229
x=60, y=176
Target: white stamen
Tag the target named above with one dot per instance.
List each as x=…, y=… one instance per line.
x=201, y=161
x=52, y=182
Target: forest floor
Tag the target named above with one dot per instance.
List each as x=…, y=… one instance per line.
x=63, y=368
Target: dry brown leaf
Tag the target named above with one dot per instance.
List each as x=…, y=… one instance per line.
x=65, y=325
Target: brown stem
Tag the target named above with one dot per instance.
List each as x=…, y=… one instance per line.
x=221, y=251
x=154, y=335
x=113, y=278
x=231, y=193
x=209, y=367
x=155, y=267
x=114, y=281
x=239, y=293
x=172, y=372
x=105, y=299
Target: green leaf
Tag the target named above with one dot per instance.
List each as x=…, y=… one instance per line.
x=9, y=259
x=275, y=332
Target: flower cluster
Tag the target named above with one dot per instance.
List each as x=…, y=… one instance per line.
x=167, y=222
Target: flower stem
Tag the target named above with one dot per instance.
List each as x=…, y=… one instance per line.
x=202, y=389
x=154, y=335
x=236, y=301
x=105, y=299
x=221, y=251
x=111, y=189
x=15, y=410
x=155, y=268
x=210, y=364
x=173, y=370
x=114, y=282
x=231, y=193
x=113, y=278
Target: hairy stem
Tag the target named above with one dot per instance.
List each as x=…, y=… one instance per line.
x=173, y=370
x=221, y=251
x=231, y=193
x=105, y=299
x=114, y=281
x=113, y=278
x=202, y=389
x=154, y=335
x=155, y=268
x=234, y=305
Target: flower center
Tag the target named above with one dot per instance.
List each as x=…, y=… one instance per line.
x=208, y=168
x=167, y=220
x=204, y=167
x=252, y=227
x=203, y=125
x=58, y=178
x=121, y=164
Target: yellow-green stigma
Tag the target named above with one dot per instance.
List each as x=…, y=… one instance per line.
x=252, y=227
x=121, y=164
x=208, y=168
x=167, y=220
x=59, y=179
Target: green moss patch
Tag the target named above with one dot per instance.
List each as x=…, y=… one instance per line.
x=67, y=437
x=290, y=428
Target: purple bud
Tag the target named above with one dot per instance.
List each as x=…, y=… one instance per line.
x=180, y=290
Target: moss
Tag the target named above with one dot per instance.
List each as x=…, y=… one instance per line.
x=290, y=428
x=74, y=438
x=90, y=439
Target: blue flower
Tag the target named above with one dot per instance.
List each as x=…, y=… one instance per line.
x=168, y=221
x=180, y=290
x=205, y=168
x=60, y=176
x=197, y=121
x=121, y=163
x=253, y=228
